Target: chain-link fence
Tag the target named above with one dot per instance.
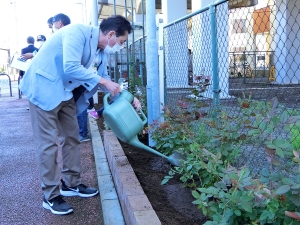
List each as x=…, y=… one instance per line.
x=247, y=55
x=129, y=64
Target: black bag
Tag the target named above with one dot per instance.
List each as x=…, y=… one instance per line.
x=77, y=92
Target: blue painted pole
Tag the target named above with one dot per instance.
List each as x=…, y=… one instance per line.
x=152, y=66
x=215, y=75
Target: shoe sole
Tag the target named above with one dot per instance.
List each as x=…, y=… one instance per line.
x=85, y=140
x=74, y=193
x=46, y=206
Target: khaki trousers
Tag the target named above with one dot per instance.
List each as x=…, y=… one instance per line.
x=45, y=126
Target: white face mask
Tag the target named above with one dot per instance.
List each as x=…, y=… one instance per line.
x=112, y=50
x=54, y=29
x=40, y=44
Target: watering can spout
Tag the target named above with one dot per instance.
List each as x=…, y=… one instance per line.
x=172, y=159
x=126, y=123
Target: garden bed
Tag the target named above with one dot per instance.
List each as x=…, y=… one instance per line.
x=171, y=202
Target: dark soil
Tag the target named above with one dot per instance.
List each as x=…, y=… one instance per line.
x=171, y=202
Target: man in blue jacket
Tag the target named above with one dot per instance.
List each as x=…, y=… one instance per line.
x=73, y=57
x=29, y=49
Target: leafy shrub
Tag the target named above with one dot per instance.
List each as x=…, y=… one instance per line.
x=230, y=195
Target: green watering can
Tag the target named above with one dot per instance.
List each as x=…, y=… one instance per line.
x=125, y=123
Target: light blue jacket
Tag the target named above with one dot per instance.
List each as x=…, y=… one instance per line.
x=63, y=64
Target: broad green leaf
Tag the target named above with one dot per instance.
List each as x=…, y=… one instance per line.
x=213, y=209
x=279, y=152
x=254, y=131
x=203, y=190
x=195, y=194
x=268, y=130
x=295, y=198
x=265, y=172
x=246, y=206
x=210, y=223
x=246, y=172
x=203, y=197
x=292, y=120
x=283, y=189
x=275, y=120
x=264, y=215
x=285, y=145
x=232, y=198
x=237, y=212
x=287, y=180
x=284, y=117
x=164, y=181
x=189, y=167
x=213, y=190
x=221, y=194
x=197, y=202
x=297, y=178
x=264, y=180
x=263, y=126
x=246, y=198
x=271, y=145
x=295, y=187
x=233, y=176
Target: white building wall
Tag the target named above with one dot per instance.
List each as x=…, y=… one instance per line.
x=286, y=41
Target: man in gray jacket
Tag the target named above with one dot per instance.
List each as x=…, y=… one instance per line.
x=69, y=59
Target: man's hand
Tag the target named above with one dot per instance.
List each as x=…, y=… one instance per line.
x=136, y=103
x=112, y=87
x=27, y=55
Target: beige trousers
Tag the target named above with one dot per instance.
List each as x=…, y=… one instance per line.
x=45, y=126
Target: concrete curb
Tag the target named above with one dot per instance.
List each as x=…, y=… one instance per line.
x=118, y=183
x=111, y=209
x=137, y=209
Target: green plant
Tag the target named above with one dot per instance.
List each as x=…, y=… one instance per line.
x=230, y=195
x=295, y=136
x=179, y=128
x=295, y=130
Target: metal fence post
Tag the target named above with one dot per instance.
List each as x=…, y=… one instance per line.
x=152, y=67
x=215, y=72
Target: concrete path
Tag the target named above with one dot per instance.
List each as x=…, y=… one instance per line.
x=21, y=196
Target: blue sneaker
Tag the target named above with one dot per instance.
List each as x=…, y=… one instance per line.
x=85, y=138
x=57, y=206
x=81, y=190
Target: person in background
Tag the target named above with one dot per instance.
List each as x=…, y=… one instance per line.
x=40, y=40
x=60, y=20
x=62, y=65
x=83, y=122
x=50, y=24
x=29, y=49
x=91, y=105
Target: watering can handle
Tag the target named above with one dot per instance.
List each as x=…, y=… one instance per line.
x=144, y=117
x=105, y=102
